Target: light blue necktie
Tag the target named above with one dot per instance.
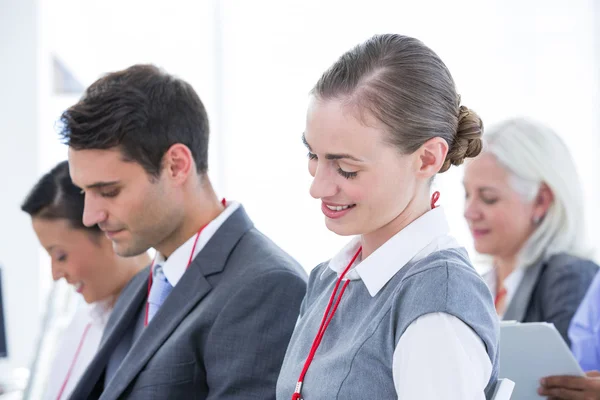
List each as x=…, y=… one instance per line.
x=158, y=292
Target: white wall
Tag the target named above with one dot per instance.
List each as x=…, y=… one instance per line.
x=19, y=166
x=96, y=37
x=535, y=58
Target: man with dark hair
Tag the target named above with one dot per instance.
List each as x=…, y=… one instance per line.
x=212, y=317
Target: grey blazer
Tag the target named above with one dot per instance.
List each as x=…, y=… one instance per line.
x=221, y=334
x=551, y=291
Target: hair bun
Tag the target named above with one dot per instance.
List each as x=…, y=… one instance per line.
x=467, y=142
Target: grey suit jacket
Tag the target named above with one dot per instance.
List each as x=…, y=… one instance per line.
x=551, y=291
x=221, y=334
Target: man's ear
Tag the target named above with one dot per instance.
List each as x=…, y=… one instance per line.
x=178, y=163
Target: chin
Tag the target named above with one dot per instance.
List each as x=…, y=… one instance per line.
x=339, y=228
x=127, y=250
x=89, y=299
x=483, y=248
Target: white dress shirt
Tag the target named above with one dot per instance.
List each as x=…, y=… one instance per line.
x=511, y=284
x=95, y=315
x=438, y=356
x=174, y=267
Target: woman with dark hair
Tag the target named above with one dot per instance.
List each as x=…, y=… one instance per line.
x=84, y=257
x=399, y=312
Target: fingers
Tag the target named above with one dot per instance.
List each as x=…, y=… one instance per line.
x=561, y=393
x=565, y=382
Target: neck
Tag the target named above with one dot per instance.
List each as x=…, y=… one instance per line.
x=128, y=267
x=202, y=206
x=372, y=241
x=504, y=266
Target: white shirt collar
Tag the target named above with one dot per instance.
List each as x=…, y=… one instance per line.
x=175, y=266
x=99, y=311
x=425, y=235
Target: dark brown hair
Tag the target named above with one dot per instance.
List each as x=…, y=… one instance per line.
x=143, y=111
x=56, y=197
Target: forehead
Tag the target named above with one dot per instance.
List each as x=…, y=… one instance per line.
x=485, y=169
x=88, y=167
x=333, y=126
x=53, y=231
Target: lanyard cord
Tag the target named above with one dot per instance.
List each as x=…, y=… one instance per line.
x=224, y=203
x=324, y=324
x=152, y=267
x=70, y=371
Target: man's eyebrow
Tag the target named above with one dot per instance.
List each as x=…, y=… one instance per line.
x=98, y=185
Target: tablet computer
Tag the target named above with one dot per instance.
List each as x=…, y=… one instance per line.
x=531, y=351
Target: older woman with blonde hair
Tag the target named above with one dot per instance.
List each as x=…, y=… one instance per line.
x=524, y=209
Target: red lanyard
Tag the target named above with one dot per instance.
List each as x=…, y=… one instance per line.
x=327, y=318
x=70, y=371
x=434, y=198
x=224, y=203
x=324, y=324
x=499, y=296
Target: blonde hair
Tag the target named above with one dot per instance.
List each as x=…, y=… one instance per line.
x=533, y=154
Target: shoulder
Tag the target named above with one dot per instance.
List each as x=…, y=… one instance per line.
x=444, y=270
x=321, y=271
x=261, y=254
x=591, y=303
x=321, y=276
x=567, y=268
x=445, y=282
x=564, y=261
x=595, y=286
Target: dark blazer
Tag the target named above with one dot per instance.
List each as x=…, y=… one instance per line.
x=222, y=332
x=551, y=291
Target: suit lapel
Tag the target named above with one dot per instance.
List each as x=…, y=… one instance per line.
x=188, y=292
x=125, y=311
x=130, y=309
x=520, y=302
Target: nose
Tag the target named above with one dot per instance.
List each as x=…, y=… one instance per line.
x=93, y=213
x=471, y=212
x=57, y=272
x=323, y=184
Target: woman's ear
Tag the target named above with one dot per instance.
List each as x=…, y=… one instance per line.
x=431, y=157
x=543, y=201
